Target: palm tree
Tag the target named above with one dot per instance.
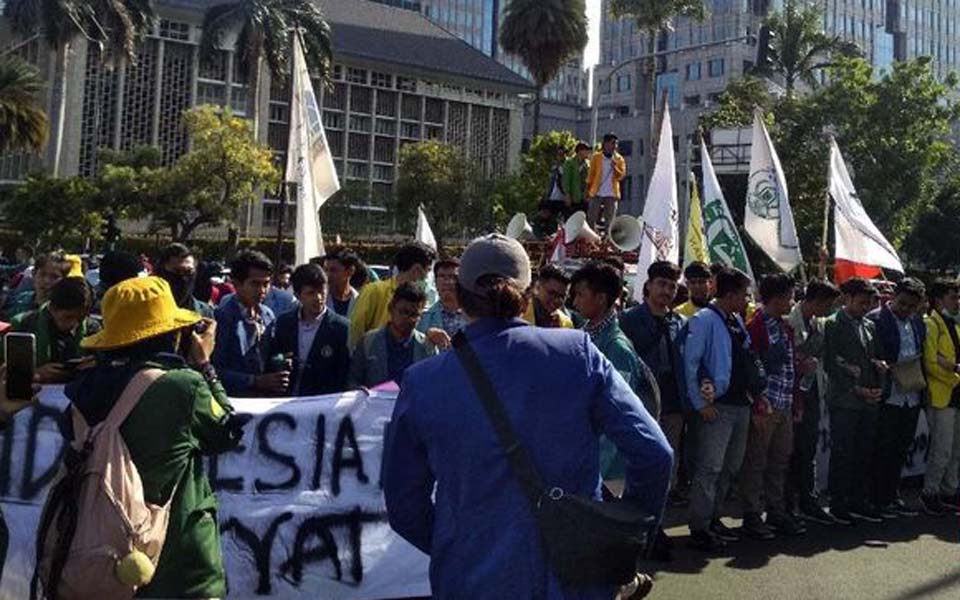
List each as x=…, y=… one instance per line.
x=264, y=35
x=800, y=48
x=653, y=17
x=544, y=34
x=23, y=122
x=112, y=24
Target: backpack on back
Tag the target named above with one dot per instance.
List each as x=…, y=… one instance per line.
x=98, y=536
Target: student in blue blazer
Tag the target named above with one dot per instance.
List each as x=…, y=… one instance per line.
x=314, y=337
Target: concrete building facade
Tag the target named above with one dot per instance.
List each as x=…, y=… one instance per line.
x=702, y=58
x=398, y=79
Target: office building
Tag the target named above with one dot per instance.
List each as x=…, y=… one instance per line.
x=477, y=23
x=702, y=58
x=397, y=79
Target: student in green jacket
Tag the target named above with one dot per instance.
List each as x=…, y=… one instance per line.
x=182, y=417
x=596, y=288
x=575, y=179
x=854, y=391
x=59, y=325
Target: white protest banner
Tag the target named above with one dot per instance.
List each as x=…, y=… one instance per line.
x=301, y=510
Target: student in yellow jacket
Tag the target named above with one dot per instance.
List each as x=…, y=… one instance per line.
x=607, y=170
x=545, y=309
x=371, y=310
x=940, y=361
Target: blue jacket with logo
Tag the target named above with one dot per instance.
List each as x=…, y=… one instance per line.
x=560, y=395
x=238, y=369
x=325, y=368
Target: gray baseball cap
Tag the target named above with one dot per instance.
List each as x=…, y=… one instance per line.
x=494, y=254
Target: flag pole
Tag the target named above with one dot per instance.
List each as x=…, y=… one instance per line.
x=285, y=195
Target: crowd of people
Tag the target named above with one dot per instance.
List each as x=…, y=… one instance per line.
x=711, y=387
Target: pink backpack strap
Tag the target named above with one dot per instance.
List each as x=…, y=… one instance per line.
x=81, y=431
x=131, y=396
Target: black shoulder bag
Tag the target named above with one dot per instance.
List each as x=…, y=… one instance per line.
x=586, y=542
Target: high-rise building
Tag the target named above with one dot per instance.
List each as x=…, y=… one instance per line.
x=700, y=59
x=477, y=22
x=397, y=79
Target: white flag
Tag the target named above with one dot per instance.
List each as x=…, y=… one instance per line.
x=660, y=228
x=723, y=239
x=309, y=163
x=768, y=218
x=424, y=234
x=858, y=239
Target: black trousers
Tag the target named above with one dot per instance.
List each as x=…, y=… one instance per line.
x=896, y=427
x=852, y=436
x=802, y=479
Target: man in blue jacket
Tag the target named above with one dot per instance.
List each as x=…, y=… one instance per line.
x=244, y=330
x=723, y=379
x=448, y=484
x=654, y=329
x=901, y=333
x=314, y=337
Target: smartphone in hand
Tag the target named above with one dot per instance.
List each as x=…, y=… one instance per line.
x=20, y=351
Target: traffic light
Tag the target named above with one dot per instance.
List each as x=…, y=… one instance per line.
x=766, y=49
x=110, y=232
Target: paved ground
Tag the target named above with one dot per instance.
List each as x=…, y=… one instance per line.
x=905, y=559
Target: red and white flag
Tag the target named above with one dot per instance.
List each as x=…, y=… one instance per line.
x=861, y=250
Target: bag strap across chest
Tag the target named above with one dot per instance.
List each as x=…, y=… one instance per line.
x=83, y=433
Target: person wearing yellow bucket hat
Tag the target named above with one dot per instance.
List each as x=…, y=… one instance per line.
x=182, y=416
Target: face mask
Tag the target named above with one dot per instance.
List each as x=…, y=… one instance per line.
x=181, y=286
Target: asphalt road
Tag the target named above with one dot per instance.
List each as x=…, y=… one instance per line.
x=903, y=559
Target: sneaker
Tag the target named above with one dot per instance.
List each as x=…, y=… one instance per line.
x=706, y=541
x=784, y=524
x=901, y=508
x=754, y=527
x=866, y=513
x=931, y=505
x=842, y=516
x=722, y=532
x=813, y=512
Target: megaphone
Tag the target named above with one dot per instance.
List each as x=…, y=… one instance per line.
x=576, y=228
x=626, y=233
x=519, y=228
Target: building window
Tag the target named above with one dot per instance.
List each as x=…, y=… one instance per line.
x=338, y=72
x=332, y=120
x=211, y=93
x=405, y=84
x=623, y=83
x=381, y=80
x=358, y=123
x=410, y=130
x=356, y=75
x=174, y=30
x=626, y=147
x=628, y=188
x=716, y=67
x=691, y=100
x=693, y=71
x=357, y=170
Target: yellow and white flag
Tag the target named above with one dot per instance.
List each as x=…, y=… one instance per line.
x=695, y=246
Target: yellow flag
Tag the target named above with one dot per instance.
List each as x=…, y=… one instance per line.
x=695, y=247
